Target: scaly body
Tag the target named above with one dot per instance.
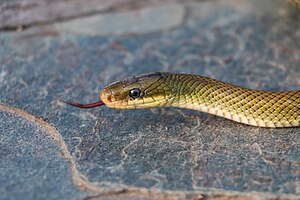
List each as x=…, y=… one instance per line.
x=161, y=89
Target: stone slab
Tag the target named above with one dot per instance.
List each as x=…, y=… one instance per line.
x=159, y=153
x=20, y=14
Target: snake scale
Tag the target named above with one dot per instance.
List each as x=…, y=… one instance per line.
x=163, y=89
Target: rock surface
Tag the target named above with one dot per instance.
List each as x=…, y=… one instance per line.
x=54, y=151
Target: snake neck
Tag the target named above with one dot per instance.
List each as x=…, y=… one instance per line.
x=197, y=92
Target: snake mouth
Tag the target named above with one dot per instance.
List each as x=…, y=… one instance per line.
x=90, y=105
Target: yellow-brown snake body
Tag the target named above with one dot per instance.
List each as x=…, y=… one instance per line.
x=296, y=2
x=162, y=89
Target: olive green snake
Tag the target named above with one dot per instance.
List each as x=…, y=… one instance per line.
x=163, y=89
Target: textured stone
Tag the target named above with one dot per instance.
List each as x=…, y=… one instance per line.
x=22, y=13
x=142, y=21
x=159, y=153
x=31, y=165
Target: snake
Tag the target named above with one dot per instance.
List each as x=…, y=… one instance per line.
x=163, y=89
x=191, y=91
x=295, y=2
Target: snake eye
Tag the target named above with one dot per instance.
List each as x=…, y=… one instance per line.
x=135, y=93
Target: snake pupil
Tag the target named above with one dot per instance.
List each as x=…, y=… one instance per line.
x=135, y=93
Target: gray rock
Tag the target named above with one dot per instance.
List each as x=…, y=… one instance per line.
x=147, y=154
x=19, y=14
x=31, y=165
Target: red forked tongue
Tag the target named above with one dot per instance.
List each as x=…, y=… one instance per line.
x=91, y=105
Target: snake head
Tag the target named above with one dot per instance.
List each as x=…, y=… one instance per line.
x=145, y=91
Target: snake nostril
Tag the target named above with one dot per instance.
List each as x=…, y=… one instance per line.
x=106, y=95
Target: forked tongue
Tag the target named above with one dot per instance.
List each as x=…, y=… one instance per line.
x=90, y=105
